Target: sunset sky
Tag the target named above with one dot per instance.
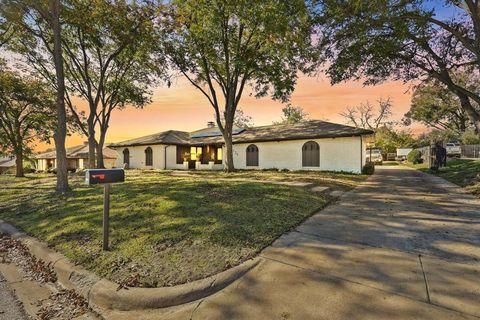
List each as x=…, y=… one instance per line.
x=182, y=107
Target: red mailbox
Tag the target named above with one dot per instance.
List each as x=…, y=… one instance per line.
x=103, y=176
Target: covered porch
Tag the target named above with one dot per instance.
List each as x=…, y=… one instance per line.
x=200, y=157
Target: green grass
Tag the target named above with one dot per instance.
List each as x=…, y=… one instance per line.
x=334, y=180
x=166, y=229
x=419, y=166
x=462, y=172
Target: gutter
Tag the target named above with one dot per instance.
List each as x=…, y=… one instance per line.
x=361, y=153
x=165, y=154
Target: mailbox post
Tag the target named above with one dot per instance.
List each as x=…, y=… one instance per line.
x=105, y=177
x=106, y=215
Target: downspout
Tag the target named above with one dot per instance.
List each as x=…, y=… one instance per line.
x=165, y=154
x=361, y=153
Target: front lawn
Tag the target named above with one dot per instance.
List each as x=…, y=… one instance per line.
x=165, y=229
x=342, y=181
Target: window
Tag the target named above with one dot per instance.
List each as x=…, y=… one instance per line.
x=182, y=154
x=252, y=156
x=126, y=157
x=196, y=153
x=148, y=157
x=311, y=154
x=219, y=155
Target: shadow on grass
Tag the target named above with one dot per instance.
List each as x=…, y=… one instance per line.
x=224, y=221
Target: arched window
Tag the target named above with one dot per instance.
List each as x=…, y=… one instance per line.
x=311, y=154
x=252, y=156
x=126, y=156
x=148, y=157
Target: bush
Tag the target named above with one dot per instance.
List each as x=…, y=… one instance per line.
x=414, y=156
x=368, y=168
x=470, y=137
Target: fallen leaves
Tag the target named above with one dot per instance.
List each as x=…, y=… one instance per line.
x=14, y=251
x=65, y=304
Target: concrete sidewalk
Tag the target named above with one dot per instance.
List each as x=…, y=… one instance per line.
x=405, y=245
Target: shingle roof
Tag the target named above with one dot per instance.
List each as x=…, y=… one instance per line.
x=312, y=129
x=166, y=137
x=77, y=152
x=8, y=161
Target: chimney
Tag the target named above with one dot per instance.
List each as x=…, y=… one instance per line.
x=210, y=124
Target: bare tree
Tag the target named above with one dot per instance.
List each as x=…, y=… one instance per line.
x=365, y=116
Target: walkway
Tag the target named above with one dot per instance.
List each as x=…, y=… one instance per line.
x=404, y=245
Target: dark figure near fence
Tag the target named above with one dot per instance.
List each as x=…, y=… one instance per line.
x=439, y=157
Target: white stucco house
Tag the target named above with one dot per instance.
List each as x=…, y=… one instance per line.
x=309, y=145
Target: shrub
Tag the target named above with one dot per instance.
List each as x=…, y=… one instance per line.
x=368, y=168
x=414, y=156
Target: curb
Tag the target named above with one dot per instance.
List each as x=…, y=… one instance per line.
x=102, y=293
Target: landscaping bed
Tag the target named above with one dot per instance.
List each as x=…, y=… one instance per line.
x=165, y=230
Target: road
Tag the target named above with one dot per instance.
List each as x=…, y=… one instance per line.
x=10, y=308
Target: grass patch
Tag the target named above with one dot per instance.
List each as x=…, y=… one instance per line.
x=166, y=229
x=335, y=180
x=419, y=166
x=462, y=172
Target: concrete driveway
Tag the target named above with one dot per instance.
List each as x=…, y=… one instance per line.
x=405, y=245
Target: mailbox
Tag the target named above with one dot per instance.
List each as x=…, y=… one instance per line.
x=104, y=176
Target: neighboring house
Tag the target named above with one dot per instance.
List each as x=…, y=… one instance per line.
x=7, y=164
x=77, y=158
x=309, y=145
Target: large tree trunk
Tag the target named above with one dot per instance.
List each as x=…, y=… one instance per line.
x=92, y=142
x=472, y=114
x=61, y=130
x=100, y=144
x=19, y=172
x=229, y=150
x=227, y=137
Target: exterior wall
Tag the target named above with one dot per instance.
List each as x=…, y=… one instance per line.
x=72, y=163
x=172, y=159
x=336, y=154
x=110, y=163
x=41, y=164
x=137, y=157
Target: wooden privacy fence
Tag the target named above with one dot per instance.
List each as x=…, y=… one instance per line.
x=471, y=151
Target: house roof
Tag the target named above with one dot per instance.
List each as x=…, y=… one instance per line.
x=312, y=129
x=7, y=161
x=77, y=152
